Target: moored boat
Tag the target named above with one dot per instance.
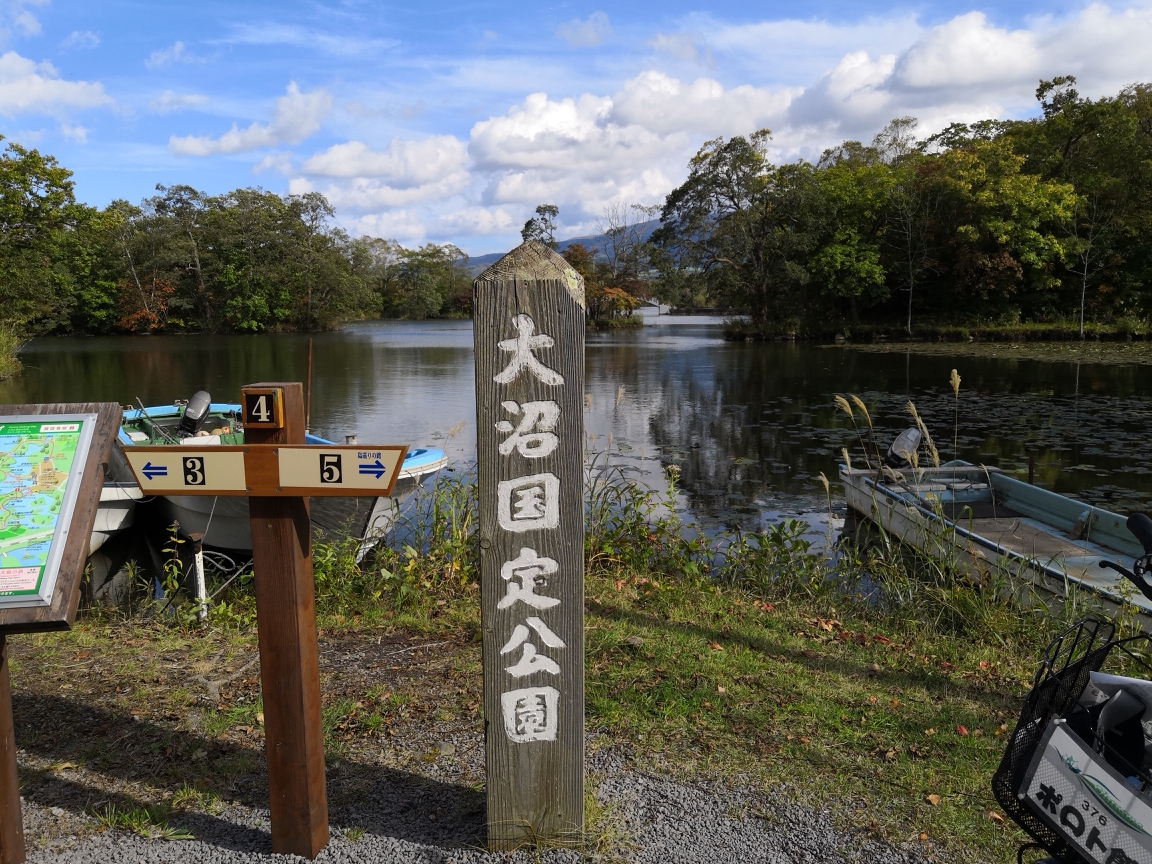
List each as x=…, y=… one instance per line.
x=223, y=521
x=987, y=521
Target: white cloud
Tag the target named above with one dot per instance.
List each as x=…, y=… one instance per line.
x=407, y=226
x=587, y=33
x=337, y=44
x=170, y=100
x=27, y=87
x=297, y=116
x=968, y=52
x=77, y=134
x=473, y=221
x=663, y=104
x=968, y=69
x=404, y=173
x=686, y=47
x=587, y=152
x=27, y=23
x=175, y=53
x=79, y=40
x=278, y=162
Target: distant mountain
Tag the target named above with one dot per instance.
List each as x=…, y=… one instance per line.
x=479, y=263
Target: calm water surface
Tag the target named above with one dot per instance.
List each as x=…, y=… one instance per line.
x=750, y=425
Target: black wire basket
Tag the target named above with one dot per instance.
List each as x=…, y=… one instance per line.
x=1053, y=708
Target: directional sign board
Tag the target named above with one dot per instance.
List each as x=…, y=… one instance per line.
x=188, y=470
x=358, y=470
x=267, y=469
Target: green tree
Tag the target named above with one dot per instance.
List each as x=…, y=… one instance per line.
x=38, y=211
x=542, y=226
x=744, y=227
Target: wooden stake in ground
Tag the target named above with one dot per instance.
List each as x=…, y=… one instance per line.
x=286, y=621
x=529, y=337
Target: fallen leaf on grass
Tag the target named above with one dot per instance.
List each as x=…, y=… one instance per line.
x=890, y=755
x=721, y=690
x=804, y=740
x=1002, y=729
x=932, y=799
x=994, y=816
x=895, y=703
x=63, y=766
x=929, y=731
x=883, y=640
x=923, y=837
x=962, y=730
x=260, y=717
x=715, y=646
x=634, y=641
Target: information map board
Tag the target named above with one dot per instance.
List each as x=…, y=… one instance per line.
x=41, y=460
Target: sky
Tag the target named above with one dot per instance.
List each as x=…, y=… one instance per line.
x=449, y=122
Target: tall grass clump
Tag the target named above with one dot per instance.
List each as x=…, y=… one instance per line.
x=10, y=344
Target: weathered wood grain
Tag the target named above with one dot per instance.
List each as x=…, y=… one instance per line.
x=60, y=614
x=535, y=778
x=289, y=656
x=11, y=819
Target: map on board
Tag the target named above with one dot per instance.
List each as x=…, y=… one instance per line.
x=37, y=462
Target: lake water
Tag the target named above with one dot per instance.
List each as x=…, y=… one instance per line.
x=750, y=424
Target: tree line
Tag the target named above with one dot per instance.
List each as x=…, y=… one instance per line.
x=992, y=223
x=996, y=222
x=181, y=260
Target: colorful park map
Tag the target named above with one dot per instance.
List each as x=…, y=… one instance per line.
x=35, y=462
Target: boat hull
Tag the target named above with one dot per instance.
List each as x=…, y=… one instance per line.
x=1047, y=545
x=224, y=521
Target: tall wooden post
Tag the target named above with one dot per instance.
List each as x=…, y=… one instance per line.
x=289, y=656
x=529, y=338
x=11, y=820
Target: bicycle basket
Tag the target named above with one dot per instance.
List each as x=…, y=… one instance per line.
x=1059, y=761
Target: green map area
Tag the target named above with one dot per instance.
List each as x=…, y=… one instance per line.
x=35, y=461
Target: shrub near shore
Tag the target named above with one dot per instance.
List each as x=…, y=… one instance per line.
x=880, y=685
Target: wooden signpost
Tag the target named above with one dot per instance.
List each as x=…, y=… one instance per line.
x=529, y=339
x=52, y=464
x=279, y=472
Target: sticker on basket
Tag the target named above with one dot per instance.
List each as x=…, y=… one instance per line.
x=1084, y=800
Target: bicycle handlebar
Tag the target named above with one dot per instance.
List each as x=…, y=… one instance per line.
x=1141, y=527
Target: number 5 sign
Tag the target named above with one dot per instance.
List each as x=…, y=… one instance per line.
x=264, y=408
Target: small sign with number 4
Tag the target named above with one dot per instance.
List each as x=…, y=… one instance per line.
x=263, y=408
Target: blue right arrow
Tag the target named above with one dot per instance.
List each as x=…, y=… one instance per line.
x=151, y=471
x=379, y=469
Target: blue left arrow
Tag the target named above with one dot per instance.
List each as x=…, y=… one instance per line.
x=377, y=468
x=151, y=471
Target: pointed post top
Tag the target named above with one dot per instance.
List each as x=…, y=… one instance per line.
x=533, y=261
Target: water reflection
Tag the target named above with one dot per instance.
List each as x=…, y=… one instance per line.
x=750, y=425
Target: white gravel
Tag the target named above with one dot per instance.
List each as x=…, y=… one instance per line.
x=652, y=820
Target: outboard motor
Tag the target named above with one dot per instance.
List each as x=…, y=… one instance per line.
x=902, y=450
x=195, y=412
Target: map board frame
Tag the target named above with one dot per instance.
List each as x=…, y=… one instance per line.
x=50, y=570
x=61, y=609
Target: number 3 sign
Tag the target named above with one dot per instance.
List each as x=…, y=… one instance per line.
x=264, y=408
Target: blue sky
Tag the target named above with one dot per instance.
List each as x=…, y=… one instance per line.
x=441, y=122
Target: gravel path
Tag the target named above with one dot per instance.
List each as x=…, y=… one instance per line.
x=648, y=820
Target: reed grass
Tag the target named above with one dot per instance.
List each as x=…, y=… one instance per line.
x=10, y=344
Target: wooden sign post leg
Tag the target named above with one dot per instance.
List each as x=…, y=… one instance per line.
x=11, y=819
x=289, y=655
